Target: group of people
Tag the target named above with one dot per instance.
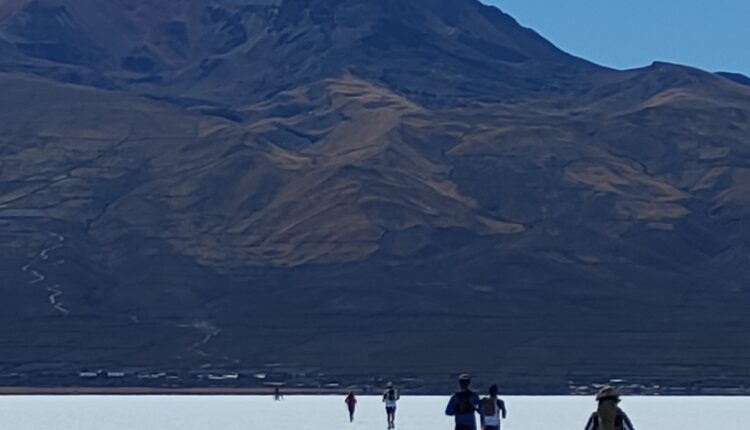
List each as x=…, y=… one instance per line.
x=390, y=397
x=465, y=404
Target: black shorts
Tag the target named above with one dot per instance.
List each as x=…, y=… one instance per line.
x=465, y=427
x=389, y=410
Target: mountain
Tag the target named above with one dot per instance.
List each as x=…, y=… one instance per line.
x=357, y=189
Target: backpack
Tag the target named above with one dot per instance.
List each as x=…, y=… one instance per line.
x=463, y=404
x=619, y=421
x=488, y=407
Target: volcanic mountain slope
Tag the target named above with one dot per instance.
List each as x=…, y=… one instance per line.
x=355, y=185
x=229, y=54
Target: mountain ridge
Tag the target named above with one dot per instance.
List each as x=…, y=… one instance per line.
x=271, y=177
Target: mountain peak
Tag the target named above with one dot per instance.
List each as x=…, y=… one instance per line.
x=412, y=46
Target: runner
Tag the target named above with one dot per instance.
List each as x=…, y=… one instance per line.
x=608, y=415
x=463, y=405
x=490, y=410
x=390, y=397
x=351, y=403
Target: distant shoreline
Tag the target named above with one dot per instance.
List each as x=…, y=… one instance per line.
x=289, y=391
x=166, y=391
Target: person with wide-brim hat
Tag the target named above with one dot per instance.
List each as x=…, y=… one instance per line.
x=608, y=415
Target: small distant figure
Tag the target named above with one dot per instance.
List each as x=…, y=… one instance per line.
x=608, y=415
x=351, y=403
x=277, y=394
x=463, y=405
x=491, y=409
x=390, y=397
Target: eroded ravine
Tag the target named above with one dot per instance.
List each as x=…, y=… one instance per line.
x=32, y=268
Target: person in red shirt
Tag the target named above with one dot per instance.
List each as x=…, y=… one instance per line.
x=351, y=403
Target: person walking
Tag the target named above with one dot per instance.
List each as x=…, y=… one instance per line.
x=390, y=397
x=351, y=403
x=608, y=415
x=463, y=405
x=491, y=409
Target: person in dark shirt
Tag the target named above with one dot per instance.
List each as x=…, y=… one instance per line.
x=491, y=409
x=463, y=405
x=608, y=415
x=351, y=403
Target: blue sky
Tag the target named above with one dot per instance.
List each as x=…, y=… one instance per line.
x=709, y=34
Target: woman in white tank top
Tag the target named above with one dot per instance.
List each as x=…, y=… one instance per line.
x=390, y=397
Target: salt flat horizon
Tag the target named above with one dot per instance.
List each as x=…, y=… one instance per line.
x=329, y=412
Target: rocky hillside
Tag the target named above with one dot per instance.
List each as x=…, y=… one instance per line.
x=358, y=187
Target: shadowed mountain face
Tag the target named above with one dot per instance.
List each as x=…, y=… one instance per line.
x=396, y=188
x=736, y=77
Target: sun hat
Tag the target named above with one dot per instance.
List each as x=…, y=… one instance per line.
x=607, y=393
